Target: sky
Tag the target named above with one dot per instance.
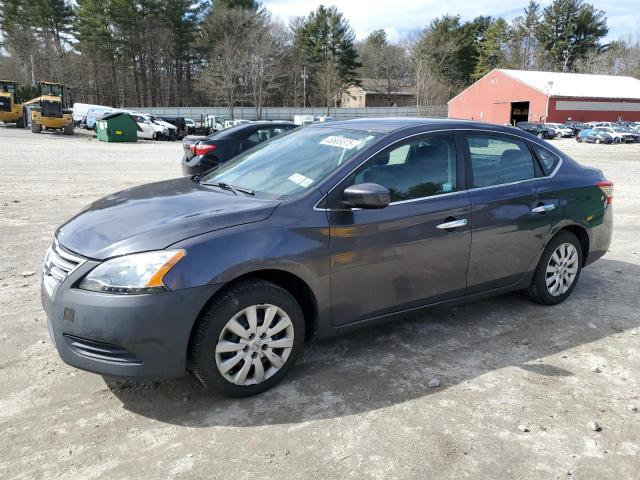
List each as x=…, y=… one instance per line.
x=402, y=17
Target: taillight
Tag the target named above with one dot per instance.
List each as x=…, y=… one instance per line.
x=202, y=149
x=607, y=190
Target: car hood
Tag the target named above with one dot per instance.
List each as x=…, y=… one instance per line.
x=154, y=216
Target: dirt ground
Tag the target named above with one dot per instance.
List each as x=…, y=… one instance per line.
x=355, y=407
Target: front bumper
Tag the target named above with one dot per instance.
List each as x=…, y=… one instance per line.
x=142, y=336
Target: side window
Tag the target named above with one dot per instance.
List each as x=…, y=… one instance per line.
x=259, y=136
x=497, y=160
x=418, y=168
x=278, y=130
x=548, y=159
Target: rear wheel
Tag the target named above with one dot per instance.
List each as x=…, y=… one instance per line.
x=20, y=122
x=36, y=127
x=68, y=130
x=558, y=270
x=247, y=339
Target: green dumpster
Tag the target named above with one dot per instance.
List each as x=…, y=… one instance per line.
x=117, y=127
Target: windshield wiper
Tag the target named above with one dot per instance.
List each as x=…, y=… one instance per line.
x=231, y=188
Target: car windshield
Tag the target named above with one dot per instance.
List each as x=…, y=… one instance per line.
x=291, y=163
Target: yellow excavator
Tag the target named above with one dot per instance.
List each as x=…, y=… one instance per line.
x=50, y=112
x=11, y=110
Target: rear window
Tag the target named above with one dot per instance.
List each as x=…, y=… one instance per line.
x=499, y=160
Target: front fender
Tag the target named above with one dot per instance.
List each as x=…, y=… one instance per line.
x=292, y=244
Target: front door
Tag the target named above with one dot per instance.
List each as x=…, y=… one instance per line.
x=411, y=253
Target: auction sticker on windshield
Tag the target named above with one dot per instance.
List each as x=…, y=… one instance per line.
x=341, y=142
x=301, y=180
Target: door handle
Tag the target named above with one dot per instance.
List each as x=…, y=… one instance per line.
x=452, y=224
x=544, y=208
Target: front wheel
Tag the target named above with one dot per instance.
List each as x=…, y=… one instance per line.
x=558, y=270
x=247, y=339
x=36, y=127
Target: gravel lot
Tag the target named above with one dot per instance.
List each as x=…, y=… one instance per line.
x=519, y=383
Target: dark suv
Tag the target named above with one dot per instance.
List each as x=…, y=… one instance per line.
x=326, y=229
x=537, y=129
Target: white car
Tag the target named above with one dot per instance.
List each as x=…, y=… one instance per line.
x=149, y=129
x=560, y=129
x=619, y=135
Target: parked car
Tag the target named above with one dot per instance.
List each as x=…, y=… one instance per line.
x=619, y=135
x=201, y=155
x=590, y=135
x=576, y=126
x=148, y=129
x=537, y=129
x=633, y=135
x=171, y=132
x=601, y=124
x=179, y=122
x=329, y=228
x=560, y=129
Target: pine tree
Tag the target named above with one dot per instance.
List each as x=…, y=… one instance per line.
x=568, y=31
x=328, y=44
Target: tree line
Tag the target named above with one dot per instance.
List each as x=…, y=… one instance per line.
x=149, y=53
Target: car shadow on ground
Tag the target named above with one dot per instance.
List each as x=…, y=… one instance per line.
x=383, y=366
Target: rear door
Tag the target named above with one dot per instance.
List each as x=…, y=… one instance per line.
x=510, y=209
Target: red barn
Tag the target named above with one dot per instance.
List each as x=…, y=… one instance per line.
x=508, y=96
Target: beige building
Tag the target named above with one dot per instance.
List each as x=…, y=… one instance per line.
x=375, y=93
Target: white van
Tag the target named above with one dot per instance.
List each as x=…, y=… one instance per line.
x=80, y=111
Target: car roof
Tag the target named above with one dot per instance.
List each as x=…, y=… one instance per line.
x=390, y=124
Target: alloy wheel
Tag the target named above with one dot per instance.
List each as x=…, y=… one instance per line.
x=254, y=344
x=562, y=269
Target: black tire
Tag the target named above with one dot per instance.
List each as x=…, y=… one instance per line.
x=224, y=306
x=598, y=141
x=20, y=122
x=36, y=127
x=538, y=291
x=68, y=130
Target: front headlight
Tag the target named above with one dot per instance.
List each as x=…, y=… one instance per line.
x=132, y=274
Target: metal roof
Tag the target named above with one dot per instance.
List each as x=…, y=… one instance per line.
x=558, y=84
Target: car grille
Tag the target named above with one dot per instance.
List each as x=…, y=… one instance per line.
x=58, y=265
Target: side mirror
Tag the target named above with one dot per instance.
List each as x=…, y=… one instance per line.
x=366, y=195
